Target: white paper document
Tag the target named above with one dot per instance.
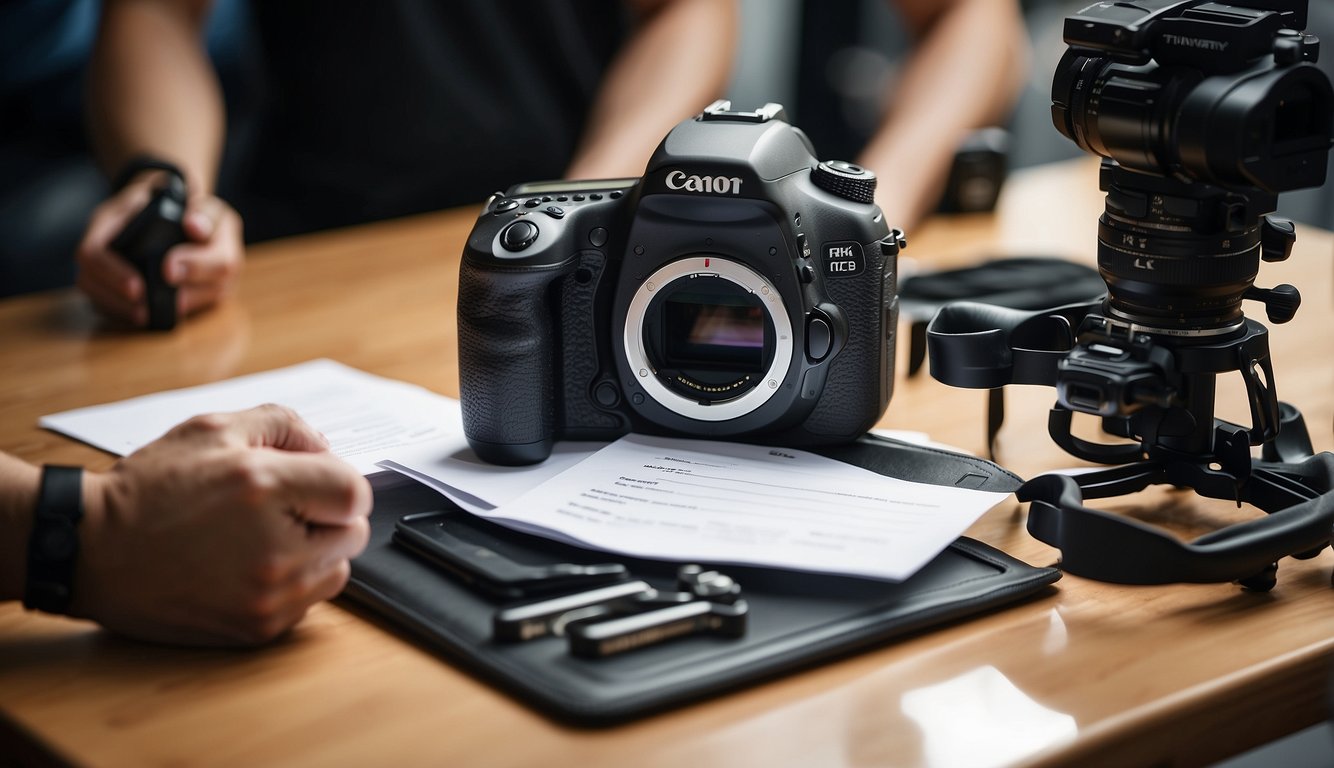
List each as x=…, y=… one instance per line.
x=365, y=417
x=670, y=499
x=476, y=485
x=727, y=503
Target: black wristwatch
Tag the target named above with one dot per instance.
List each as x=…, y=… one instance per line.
x=54, y=545
x=140, y=163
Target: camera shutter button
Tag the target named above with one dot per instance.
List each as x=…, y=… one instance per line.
x=518, y=235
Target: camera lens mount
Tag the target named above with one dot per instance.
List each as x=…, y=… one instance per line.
x=708, y=338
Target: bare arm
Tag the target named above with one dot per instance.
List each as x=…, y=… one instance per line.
x=152, y=88
x=676, y=62
x=966, y=72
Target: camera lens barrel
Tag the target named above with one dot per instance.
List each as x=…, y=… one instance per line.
x=1175, y=282
x=1265, y=127
x=1269, y=129
x=1113, y=110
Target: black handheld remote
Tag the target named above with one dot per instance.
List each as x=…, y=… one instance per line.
x=144, y=243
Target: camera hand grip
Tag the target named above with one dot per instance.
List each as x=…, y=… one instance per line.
x=507, y=347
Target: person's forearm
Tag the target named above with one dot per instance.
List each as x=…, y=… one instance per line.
x=18, y=499
x=152, y=88
x=966, y=72
x=675, y=64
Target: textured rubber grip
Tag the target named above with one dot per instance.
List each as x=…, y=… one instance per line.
x=507, y=348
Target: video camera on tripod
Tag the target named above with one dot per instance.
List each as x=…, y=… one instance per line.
x=1204, y=113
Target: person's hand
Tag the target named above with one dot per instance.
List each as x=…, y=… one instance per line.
x=204, y=268
x=222, y=532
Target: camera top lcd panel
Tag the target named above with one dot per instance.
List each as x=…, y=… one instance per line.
x=741, y=289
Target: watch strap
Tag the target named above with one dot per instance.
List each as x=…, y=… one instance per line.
x=140, y=163
x=53, y=547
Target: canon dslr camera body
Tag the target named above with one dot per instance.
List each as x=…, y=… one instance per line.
x=741, y=289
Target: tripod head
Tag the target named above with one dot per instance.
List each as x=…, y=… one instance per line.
x=1204, y=112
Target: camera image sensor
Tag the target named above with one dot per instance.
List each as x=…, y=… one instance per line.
x=728, y=333
x=708, y=338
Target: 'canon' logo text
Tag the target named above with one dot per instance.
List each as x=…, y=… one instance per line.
x=714, y=185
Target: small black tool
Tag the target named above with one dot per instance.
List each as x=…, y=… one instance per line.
x=707, y=584
x=145, y=241
x=437, y=537
x=599, y=638
x=708, y=601
x=548, y=616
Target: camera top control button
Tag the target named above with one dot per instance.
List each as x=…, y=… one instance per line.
x=597, y=236
x=531, y=202
x=554, y=211
x=848, y=181
x=819, y=338
x=518, y=235
x=504, y=204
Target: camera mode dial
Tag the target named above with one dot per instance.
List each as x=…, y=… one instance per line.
x=851, y=182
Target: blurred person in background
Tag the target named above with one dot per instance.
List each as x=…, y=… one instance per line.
x=49, y=182
x=899, y=85
x=378, y=110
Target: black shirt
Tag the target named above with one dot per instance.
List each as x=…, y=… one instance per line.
x=391, y=107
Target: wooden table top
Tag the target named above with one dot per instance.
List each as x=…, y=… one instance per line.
x=1089, y=674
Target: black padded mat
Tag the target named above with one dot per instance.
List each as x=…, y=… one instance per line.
x=796, y=619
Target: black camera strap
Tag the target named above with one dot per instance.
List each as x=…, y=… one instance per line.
x=1019, y=282
x=1298, y=497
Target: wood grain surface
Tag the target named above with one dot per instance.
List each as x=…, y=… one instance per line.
x=1089, y=674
